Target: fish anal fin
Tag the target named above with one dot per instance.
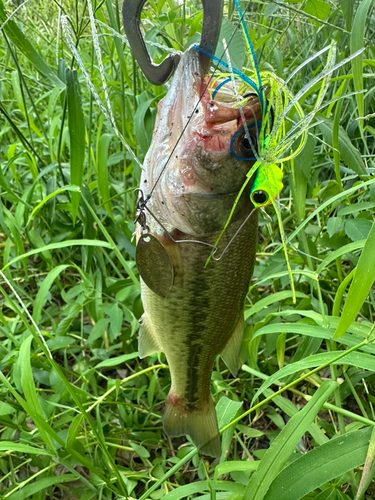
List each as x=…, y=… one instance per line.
x=147, y=344
x=231, y=352
x=200, y=424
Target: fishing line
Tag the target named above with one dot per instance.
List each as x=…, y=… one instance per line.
x=286, y=236
x=244, y=123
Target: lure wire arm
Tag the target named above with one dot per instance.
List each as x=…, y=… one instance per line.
x=141, y=219
x=158, y=74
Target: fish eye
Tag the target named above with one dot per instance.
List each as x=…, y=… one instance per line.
x=243, y=148
x=259, y=197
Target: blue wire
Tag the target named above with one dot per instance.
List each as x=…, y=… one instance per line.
x=235, y=71
x=252, y=52
x=219, y=87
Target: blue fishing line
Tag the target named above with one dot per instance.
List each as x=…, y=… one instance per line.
x=235, y=71
x=220, y=85
x=252, y=52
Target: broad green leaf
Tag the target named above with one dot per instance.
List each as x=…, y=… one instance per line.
x=98, y=330
x=117, y=361
x=349, y=154
x=317, y=8
x=226, y=411
x=102, y=168
x=356, y=43
x=363, y=279
x=76, y=124
x=27, y=48
x=334, y=225
x=320, y=465
x=140, y=450
x=43, y=290
x=236, y=48
x=357, y=229
x=6, y=409
x=74, y=429
x=282, y=447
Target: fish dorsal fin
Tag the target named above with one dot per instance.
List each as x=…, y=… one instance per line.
x=231, y=352
x=147, y=344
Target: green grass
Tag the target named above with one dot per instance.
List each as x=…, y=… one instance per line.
x=80, y=413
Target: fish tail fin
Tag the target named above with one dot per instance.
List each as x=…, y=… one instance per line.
x=200, y=424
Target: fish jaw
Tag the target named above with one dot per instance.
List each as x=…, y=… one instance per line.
x=190, y=163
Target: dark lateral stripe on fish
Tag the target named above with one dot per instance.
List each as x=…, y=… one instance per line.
x=194, y=337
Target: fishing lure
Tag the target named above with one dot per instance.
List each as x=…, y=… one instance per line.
x=281, y=133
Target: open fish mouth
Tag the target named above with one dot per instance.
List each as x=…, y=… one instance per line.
x=222, y=119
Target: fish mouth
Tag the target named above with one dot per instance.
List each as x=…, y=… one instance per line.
x=220, y=120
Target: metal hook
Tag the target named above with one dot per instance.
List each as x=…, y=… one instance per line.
x=160, y=73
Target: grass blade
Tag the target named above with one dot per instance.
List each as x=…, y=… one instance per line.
x=363, y=279
x=368, y=469
x=77, y=136
x=320, y=465
x=361, y=360
x=26, y=47
x=103, y=180
x=356, y=43
x=43, y=290
x=29, y=390
x=284, y=444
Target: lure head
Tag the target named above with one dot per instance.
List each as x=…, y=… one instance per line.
x=190, y=160
x=267, y=185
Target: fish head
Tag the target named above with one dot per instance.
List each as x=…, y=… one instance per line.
x=200, y=153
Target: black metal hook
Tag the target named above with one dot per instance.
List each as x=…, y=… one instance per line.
x=160, y=73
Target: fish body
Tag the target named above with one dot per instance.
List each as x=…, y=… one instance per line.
x=193, y=180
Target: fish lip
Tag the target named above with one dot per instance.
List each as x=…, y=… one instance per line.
x=221, y=121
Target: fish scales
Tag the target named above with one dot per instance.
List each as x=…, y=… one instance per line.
x=202, y=315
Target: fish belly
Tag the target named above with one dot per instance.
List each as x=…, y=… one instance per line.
x=201, y=317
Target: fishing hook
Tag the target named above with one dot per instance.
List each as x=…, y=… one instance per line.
x=160, y=73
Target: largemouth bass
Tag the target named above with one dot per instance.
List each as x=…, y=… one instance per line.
x=194, y=178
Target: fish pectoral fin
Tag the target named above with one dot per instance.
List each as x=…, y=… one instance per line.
x=147, y=344
x=200, y=424
x=231, y=352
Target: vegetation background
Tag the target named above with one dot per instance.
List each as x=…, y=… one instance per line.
x=80, y=413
